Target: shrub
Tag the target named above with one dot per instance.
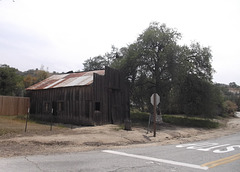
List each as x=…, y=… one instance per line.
x=229, y=107
x=190, y=121
x=139, y=117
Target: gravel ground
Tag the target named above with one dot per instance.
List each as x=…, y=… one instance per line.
x=39, y=140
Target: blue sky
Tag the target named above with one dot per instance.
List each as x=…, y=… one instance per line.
x=62, y=34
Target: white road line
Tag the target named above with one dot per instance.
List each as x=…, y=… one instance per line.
x=156, y=159
x=208, y=149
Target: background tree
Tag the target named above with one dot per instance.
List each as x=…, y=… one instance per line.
x=156, y=63
x=95, y=63
x=200, y=98
x=229, y=107
x=10, y=81
x=180, y=74
x=41, y=75
x=32, y=76
x=99, y=62
x=29, y=80
x=233, y=85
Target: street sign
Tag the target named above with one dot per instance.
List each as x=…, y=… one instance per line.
x=157, y=99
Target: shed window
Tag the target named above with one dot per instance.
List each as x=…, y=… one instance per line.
x=60, y=106
x=97, y=106
x=47, y=106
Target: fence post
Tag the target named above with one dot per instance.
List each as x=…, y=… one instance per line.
x=51, y=120
x=27, y=120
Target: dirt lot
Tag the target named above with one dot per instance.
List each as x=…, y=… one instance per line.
x=40, y=140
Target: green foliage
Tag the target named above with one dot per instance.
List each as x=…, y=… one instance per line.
x=142, y=118
x=10, y=81
x=41, y=75
x=29, y=80
x=230, y=92
x=99, y=62
x=233, y=85
x=200, y=97
x=14, y=82
x=95, y=63
x=139, y=117
x=229, y=108
x=34, y=76
x=237, y=101
x=190, y=121
x=156, y=63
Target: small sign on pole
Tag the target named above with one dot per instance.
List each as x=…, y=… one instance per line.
x=155, y=100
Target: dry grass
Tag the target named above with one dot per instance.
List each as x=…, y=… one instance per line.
x=13, y=125
x=40, y=140
x=9, y=125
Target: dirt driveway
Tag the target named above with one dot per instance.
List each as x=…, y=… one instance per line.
x=102, y=137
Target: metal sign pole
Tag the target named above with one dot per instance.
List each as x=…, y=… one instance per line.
x=155, y=108
x=155, y=100
x=149, y=121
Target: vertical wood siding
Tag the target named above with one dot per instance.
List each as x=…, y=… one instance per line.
x=105, y=101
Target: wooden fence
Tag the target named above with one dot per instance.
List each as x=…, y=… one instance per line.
x=14, y=105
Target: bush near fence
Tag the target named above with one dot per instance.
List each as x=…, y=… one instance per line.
x=143, y=117
x=190, y=121
x=14, y=105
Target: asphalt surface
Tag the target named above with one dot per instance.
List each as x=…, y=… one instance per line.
x=237, y=114
x=218, y=155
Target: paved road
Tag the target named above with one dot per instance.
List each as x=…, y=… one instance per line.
x=237, y=114
x=216, y=155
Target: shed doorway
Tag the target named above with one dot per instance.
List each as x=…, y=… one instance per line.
x=54, y=108
x=114, y=105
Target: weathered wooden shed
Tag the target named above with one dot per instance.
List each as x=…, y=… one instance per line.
x=85, y=98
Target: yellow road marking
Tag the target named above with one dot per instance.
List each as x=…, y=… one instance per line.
x=221, y=161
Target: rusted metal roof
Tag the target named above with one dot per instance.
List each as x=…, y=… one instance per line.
x=67, y=80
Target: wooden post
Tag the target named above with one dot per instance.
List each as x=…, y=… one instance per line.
x=155, y=100
x=27, y=120
x=154, y=111
x=51, y=120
